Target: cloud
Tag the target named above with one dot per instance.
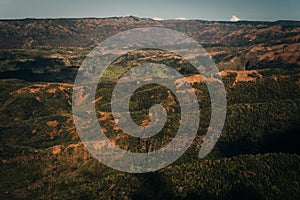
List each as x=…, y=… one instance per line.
x=181, y=18
x=157, y=18
x=235, y=19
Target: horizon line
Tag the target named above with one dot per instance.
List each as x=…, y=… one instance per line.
x=152, y=18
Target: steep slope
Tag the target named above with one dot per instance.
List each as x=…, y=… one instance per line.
x=89, y=32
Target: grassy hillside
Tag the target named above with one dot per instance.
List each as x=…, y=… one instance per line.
x=256, y=157
x=42, y=156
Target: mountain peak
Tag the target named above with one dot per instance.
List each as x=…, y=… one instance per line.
x=235, y=19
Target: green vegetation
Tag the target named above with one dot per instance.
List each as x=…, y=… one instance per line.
x=255, y=158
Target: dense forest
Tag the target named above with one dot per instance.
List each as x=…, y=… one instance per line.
x=256, y=157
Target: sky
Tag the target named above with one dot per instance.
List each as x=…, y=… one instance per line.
x=254, y=10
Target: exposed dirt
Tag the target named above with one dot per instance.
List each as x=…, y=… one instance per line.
x=53, y=123
x=56, y=149
x=242, y=75
x=51, y=90
x=104, y=116
x=54, y=131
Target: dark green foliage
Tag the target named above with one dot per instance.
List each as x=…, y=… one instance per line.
x=250, y=176
x=257, y=156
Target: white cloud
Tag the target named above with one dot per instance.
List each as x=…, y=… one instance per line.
x=157, y=18
x=235, y=19
x=181, y=18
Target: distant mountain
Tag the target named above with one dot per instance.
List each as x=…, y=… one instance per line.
x=90, y=31
x=66, y=42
